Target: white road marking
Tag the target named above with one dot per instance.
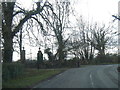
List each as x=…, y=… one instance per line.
x=91, y=80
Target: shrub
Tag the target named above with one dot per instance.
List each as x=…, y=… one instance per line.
x=31, y=64
x=12, y=70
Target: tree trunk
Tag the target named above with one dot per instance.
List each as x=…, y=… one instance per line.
x=8, y=48
x=7, y=9
x=8, y=41
x=61, y=53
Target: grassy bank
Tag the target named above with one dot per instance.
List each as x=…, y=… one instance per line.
x=31, y=77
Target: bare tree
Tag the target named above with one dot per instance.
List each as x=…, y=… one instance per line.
x=101, y=38
x=116, y=17
x=99, y=41
x=57, y=22
x=8, y=32
x=81, y=47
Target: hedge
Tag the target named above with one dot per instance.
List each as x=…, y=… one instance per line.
x=11, y=70
x=30, y=64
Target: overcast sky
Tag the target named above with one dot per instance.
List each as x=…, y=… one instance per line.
x=94, y=10
x=98, y=10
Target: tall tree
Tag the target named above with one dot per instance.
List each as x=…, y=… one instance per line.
x=8, y=31
x=100, y=40
x=81, y=46
x=58, y=21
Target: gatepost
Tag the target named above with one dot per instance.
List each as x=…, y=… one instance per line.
x=23, y=55
x=39, y=59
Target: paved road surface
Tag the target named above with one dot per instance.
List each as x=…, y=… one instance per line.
x=97, y=76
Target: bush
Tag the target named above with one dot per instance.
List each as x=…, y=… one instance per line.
x=61, y=64
x=12, y=70
x=30, y=64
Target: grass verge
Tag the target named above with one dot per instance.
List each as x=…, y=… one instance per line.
x=31, y=77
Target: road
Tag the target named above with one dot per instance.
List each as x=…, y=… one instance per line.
x=97, y=76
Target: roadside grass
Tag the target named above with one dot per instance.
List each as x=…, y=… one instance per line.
x=31, y=77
